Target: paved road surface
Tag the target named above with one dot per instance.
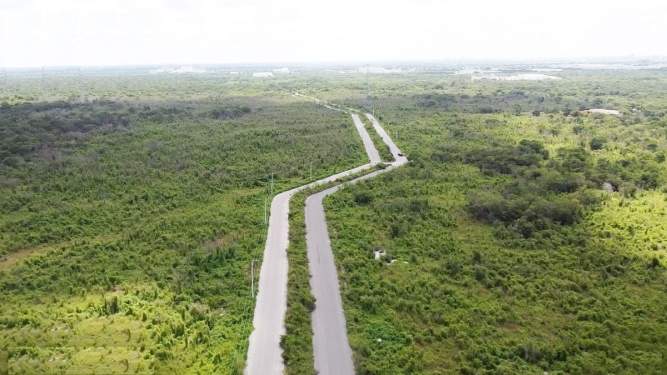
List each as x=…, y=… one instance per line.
x=395, y=151
x=371, y=151
x=264, y=352
x=330, y=345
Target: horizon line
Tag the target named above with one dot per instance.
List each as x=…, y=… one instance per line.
x=424, y=61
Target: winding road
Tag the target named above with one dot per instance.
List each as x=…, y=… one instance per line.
x=264, y=351
x=330, y=345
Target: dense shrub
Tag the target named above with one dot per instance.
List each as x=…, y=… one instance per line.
x=541, y=194
x=597, y=143
x=506, y=159
x=363, y=197
x=229, y=113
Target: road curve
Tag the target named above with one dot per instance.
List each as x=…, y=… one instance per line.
x=264, y=351
x=330, y=344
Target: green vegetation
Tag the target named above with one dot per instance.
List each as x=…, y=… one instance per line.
x=128, y=221
x=383, y=149
x=524, y=235
x=516, y=241
x=297, y=344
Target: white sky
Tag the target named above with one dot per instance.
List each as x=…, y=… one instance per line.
x=119, y=32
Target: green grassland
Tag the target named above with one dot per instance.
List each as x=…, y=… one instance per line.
x=131, y=209
x=505, y=254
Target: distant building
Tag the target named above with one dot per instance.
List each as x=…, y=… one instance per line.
x=178, y=70
x=262, y=74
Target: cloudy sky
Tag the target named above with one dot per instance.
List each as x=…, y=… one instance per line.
x=119, y=32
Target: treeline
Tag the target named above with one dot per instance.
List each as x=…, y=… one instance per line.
x=513, y=101
x=518, y=101
x=37, y=130
x=227, y=113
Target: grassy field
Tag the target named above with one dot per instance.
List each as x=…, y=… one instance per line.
x=523, y=237
x=129, y=218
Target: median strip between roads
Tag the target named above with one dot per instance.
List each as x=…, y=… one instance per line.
x=331, y=348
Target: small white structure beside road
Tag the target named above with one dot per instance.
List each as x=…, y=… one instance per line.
x=601, y=111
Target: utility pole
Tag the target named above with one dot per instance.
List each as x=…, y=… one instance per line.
x=310, y=172
x=41, y=81
x=368, y=85
x=265, y=218
x=80, y=79
x=368, y=90
x=252, y=278
x=271, y=183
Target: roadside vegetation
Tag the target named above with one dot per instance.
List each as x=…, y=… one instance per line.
x=515, y=241
x=297, y=344
x=383, y=149
x=128, y=220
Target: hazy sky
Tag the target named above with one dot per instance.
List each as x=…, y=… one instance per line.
x=117, y=32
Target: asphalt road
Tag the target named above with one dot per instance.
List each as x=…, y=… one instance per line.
x=371, y=151
x=395, y=151
x=330, y=344
x=264, y=351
